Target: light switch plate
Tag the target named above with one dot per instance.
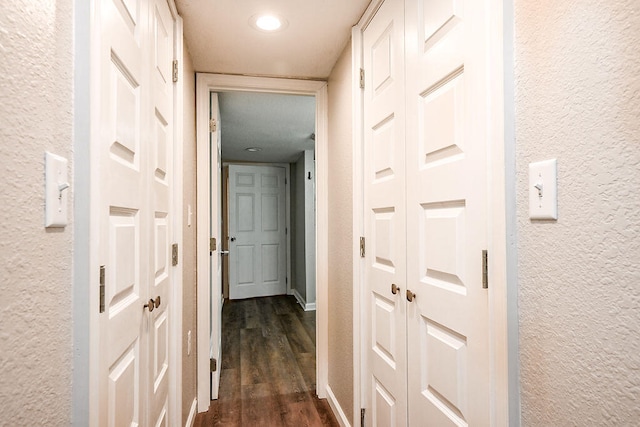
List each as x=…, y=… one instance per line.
x=56, y=191
x=543, y=190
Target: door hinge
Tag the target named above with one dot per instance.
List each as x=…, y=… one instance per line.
x=102, y=286
x=174, y=254
x=175, y=70
x=362, y=247
x=212, y=244
x=362, y=417
x=213, y=365
x=361, y=78
x=213, y=125
x=485, y=269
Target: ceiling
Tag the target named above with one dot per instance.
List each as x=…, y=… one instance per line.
x=220, y=39
x=280, y=125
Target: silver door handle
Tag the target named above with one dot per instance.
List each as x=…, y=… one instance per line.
x=224, y=252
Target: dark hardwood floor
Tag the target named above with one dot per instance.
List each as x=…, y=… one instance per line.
x=268, y=367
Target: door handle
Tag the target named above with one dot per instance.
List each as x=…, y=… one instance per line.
x=410, y=296
x=233, y=239
x=224, y=252
x=158, y=301
x=394, y=289
x=151, y=305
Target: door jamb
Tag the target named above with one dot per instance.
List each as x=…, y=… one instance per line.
x=176, y=324
x=205, y=84
x=502, y=294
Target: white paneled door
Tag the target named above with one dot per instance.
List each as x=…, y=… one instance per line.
x=447, y=123
x=136, y=214
x=257, y=218
x=425, y=201
x=385, y=213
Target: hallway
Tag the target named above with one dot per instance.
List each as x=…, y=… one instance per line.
x=268, y=367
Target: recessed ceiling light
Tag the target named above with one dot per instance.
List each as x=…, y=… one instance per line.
x=253, y=149
x=268, y=23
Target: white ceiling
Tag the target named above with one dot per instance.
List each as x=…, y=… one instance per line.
x=221, y=40
x=281, y=125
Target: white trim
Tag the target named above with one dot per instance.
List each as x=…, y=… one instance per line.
x=191, y=419
x=94, y=214
x=81, y=186
x=205, y=84
x=303, y=303
x=175, y=342
x=358, y=221
x=337, y=409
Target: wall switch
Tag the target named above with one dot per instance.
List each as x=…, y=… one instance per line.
x=56, y=190
x=543, y=190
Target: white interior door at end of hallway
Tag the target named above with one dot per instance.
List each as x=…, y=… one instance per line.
x=447, y=124
x=257, y=235
x=215, y=232
x=136, y=213
x=384, y=221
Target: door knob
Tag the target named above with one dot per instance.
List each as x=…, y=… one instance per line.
x=157, y=301
x=233, y=239
x=410, y=296
x=151, y=304
x=394, y=289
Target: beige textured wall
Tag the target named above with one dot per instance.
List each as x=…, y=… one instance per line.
x=35, y=264
x=341, y=233
x=189, y=386
x=577, y=80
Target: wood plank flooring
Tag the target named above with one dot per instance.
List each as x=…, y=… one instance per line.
x=268, y=367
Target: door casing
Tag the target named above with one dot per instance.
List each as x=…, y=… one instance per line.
x=205, y=84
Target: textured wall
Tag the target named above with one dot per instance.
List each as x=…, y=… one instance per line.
x=35, y=264
x=189, y=386
x=577, y=82
x=341, y=233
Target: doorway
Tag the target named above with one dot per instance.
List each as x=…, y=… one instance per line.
x=210, y=297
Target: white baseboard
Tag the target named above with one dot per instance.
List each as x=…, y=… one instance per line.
x=336, y=408
x=192, y=414
x=305, y=306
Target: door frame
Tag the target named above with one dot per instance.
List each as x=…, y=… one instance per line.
x=87, y=215
x=503, y=334
x=205, y=84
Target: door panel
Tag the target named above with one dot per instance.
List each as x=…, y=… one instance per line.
x=161, y=113
x=446, y=208
x=124, y=214
x=257, y=218
x=384, y=205
x=136, y=149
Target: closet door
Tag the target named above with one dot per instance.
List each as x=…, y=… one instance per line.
x=384, y=201
x=447, y=323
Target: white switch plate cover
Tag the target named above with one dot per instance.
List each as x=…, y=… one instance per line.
x=56, y=200
x=543, y=201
